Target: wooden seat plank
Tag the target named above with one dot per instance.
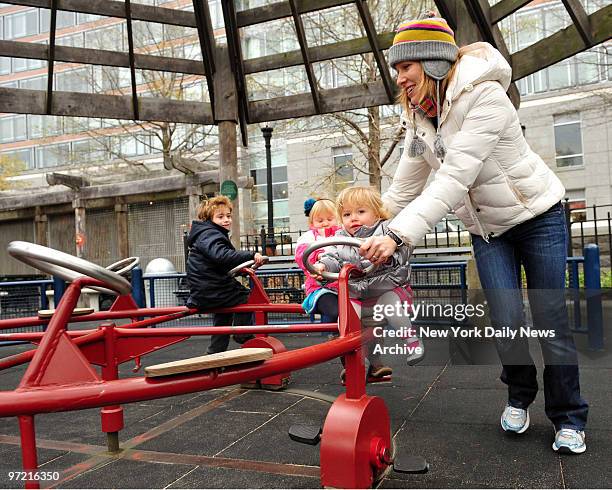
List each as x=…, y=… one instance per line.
x=75, y=312
x=210, y=361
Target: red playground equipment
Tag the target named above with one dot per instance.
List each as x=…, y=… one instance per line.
x=356, y=448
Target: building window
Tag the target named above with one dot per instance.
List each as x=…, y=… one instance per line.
x=21, y=24
x=343, y=167
x=13, y=128
x=41, y=126
x=75, y=40
x=53, y=155
x=5, y=65
x=36, y=83
x=568, y=140
x=85, y=18
x=280, y=188
x=74, y=80
x=63, y=19
x=25, y=156
x=216, y=13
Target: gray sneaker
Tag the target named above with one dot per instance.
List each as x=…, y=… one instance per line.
x=570, y=441
x=515, y=419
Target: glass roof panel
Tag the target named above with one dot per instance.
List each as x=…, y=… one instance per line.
x=332, y=25
x=277, y=83
x=277, y=36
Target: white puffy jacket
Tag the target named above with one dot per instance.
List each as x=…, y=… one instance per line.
x=490, y=176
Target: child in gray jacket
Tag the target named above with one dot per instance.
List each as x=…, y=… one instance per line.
x=363, y=215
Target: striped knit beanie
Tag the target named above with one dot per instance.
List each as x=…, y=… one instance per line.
x=429, y=40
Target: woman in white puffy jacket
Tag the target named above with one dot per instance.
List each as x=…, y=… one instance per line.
x=461, y=124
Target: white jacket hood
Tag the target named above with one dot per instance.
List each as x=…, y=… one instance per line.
x=481, y=62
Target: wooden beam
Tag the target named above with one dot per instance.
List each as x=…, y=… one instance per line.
x=505, y=8
x=51, y=56
x=580, y=18
x=22, y=101
x=301, y=35
x=561, y=45
x=80, y=227
x=114, y=8
x=122, y=228
x=208, y=47
x=236, y=64
x=318, y=53
x=68, y=54
x=228, y=170
x=128, y=18
x=226, y=103
x=381, y=63
x=278, y=10
x=74, y=182
x=481, y=13
x=333, y=100
x=152, y=188
x=41, y=232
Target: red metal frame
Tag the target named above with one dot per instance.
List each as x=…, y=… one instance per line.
x=60, y=373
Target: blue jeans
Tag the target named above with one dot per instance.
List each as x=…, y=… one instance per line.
x=540, y=246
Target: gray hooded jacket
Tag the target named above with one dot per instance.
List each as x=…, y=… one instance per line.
x=386, y=277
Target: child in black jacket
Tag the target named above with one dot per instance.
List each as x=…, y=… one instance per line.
x=211, y=257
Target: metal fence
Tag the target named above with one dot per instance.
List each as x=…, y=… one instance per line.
x=448, y=233
x=20, y=299
x=592, y=225
x=437, y=286
x=437, y=283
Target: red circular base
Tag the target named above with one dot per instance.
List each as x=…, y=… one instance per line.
x=356, y=443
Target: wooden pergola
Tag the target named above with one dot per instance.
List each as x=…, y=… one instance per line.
x=225, y=68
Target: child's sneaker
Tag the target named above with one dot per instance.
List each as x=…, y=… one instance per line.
x=379, y=371
x=515, y=419
x=416, y=350
x=569, y=441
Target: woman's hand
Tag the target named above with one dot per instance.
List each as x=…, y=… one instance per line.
x=259, y=259
x=378, y=249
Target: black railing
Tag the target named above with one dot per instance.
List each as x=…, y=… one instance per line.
x=448, y=233
x=591, y=224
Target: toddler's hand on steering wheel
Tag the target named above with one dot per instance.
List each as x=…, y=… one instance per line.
x=319, y=268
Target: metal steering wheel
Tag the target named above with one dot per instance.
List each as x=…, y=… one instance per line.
x=124, y=266
x=67, y=266
x=326, y=242
x=248, y=263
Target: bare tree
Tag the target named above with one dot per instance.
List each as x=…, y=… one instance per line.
x=371, y=132
x=184, y=147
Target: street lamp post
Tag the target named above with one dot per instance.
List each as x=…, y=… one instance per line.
x=271, y=245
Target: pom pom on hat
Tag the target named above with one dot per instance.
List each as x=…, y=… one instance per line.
x=308, y=204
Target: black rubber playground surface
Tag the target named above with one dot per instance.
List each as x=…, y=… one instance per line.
x=237, y=438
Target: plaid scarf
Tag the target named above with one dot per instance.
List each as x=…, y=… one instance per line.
x=427, y=106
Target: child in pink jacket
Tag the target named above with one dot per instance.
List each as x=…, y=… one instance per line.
x=321, y=215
